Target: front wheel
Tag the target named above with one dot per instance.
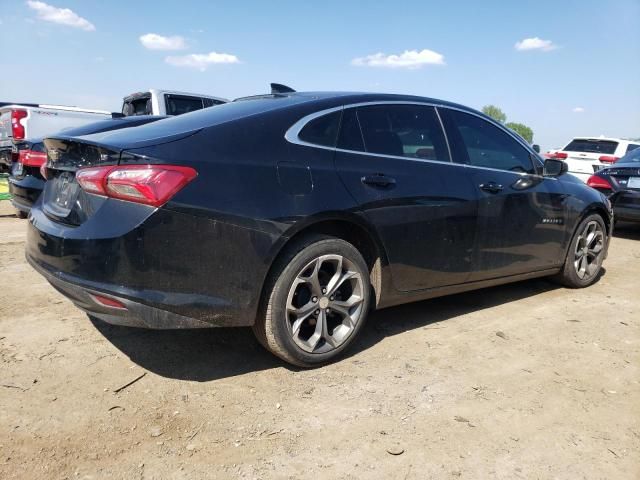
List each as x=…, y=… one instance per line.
x=317, y=299
x=586, y=253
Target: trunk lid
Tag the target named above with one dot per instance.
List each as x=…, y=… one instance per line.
x=62, y=198
x=625, y=177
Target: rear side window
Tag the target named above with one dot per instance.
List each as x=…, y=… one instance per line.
x=322, y=130
x=412, y=131
x=210, y=102
x=179, y=104
x=606, y=147
x=631, y=147
x=476, y=142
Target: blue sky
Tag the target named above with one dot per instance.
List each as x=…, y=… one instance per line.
x=577, y=74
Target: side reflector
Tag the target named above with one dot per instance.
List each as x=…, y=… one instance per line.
x=148, y=184
x=108, y=302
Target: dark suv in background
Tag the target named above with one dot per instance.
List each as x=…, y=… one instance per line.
x=299, y=213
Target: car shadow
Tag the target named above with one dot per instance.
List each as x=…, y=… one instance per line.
x=210, y=354
x=627, y=230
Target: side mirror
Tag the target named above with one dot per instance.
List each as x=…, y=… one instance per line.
x=554, y=168
x=536, y=147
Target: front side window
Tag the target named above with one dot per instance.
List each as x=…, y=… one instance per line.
x=179, y=104
x=412, y=131
x=474, y=141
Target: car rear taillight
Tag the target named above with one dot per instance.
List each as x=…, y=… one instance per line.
x=17, y=128
x=30, y=158
x=148, y=184
x=608, y=159
x=600, y=183
x=560, y=155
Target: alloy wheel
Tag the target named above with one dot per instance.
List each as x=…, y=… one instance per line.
x=324, y=304
x=589, y=248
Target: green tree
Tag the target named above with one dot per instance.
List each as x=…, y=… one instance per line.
x=495, y=113
x=522, y=130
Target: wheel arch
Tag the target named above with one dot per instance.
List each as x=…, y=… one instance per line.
x=348, y=227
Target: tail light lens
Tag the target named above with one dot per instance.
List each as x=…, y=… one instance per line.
x=148, y=184
x=560, y=155
x=608, y=159
x=600, y=183
x=32, y=159
x=17, y=128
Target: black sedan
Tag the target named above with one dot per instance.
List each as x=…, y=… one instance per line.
x=621, y=183
x=299, y=213
x=26, y=181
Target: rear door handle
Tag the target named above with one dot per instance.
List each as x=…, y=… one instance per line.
x=491, y=187
x=378, y=180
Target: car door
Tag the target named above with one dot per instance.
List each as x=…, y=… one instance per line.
x=521, y=214
x=394, y=160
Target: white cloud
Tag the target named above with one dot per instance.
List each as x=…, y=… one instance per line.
x=153, y=41
x=62, y=16
x=407, y=59
x=535, y=43
x=201, y=61
x=578, y=110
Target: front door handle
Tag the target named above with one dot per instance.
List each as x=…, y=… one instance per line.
x=378, y=180
x=491, y=187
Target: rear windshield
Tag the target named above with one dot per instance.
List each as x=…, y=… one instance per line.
x=190, y=122
x=631, y=147
x=632, y=157
x=605, y=147
x=137, y=106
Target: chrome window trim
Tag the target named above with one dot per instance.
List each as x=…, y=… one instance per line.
x=291, y=135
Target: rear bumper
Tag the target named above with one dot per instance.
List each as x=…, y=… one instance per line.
x=626, y=205
x=172, y=270
x=135, y=315
x=25, y=191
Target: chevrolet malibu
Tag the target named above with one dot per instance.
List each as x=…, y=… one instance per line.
x=300, y=213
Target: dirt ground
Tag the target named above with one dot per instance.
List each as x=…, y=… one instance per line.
x=521, y=381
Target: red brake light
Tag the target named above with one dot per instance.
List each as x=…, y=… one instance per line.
x=31, y=158
x=595, y=181
x=149, y=184
x=608, y=159
x=17, y=128
x=560, y=155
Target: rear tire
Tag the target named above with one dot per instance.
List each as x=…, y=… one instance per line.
x=316, y=300
x=586, y=253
